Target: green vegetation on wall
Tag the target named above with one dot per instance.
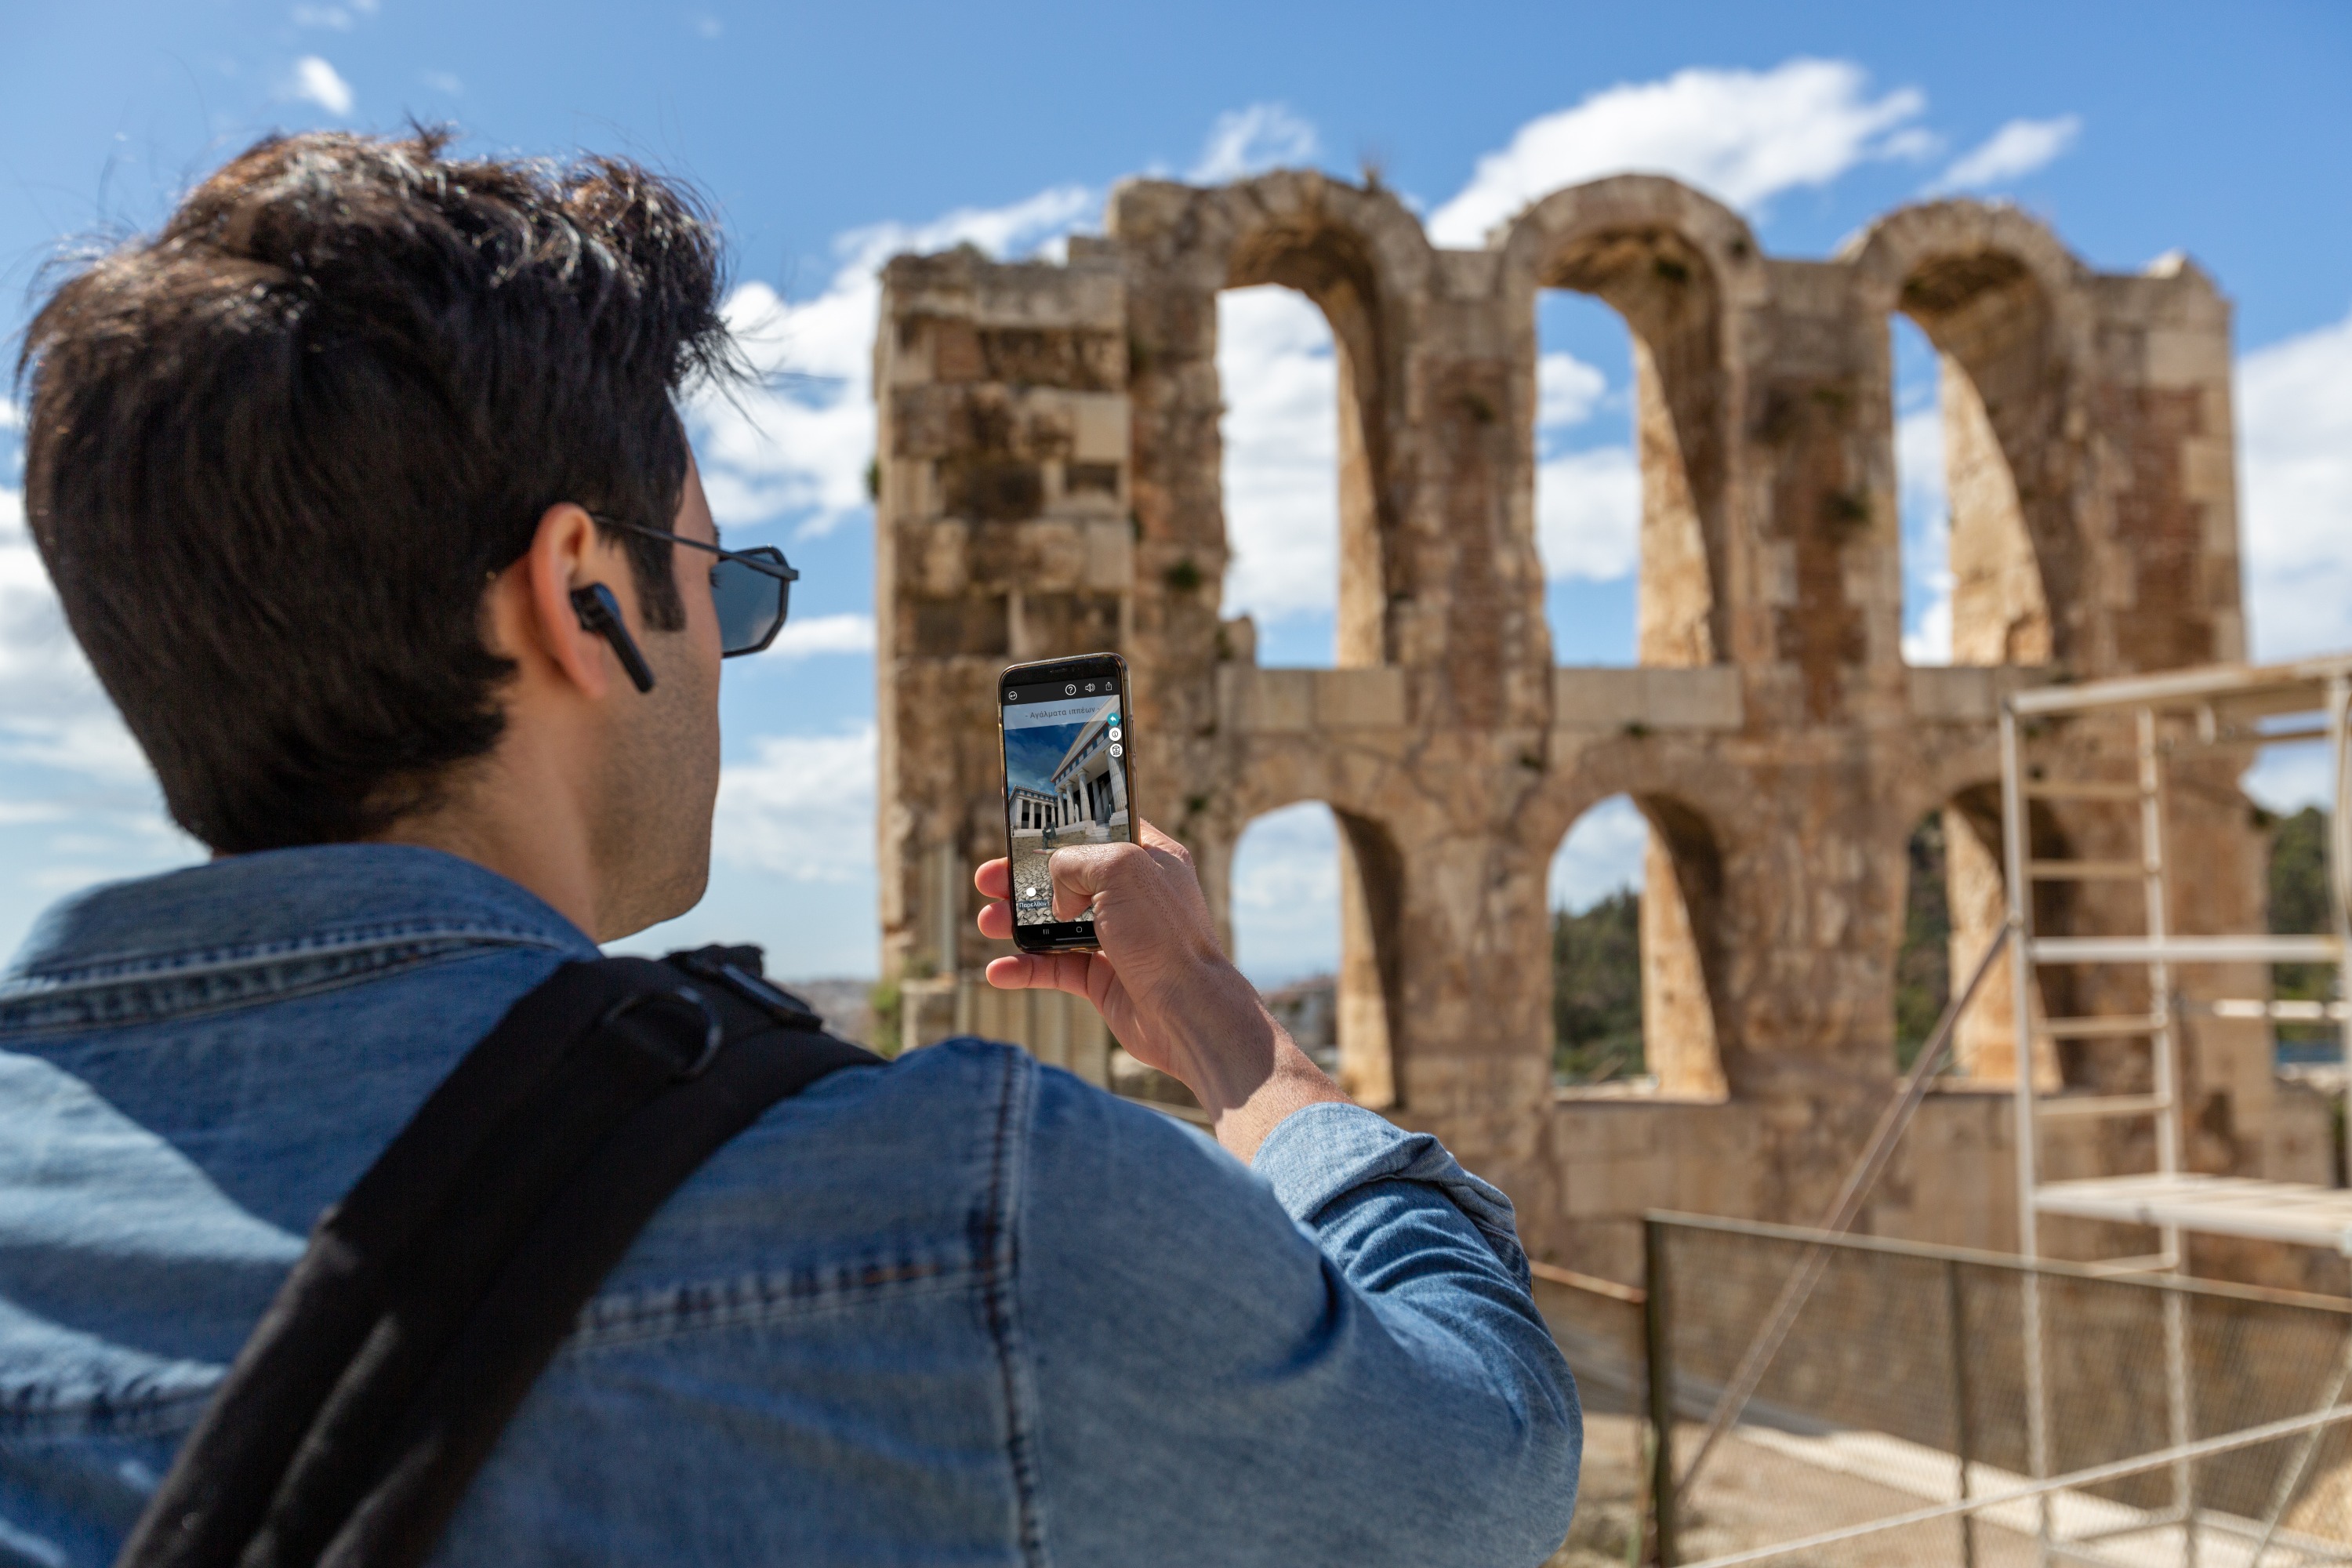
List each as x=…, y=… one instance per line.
x=1923, y=969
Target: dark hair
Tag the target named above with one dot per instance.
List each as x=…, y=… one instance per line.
x=276, y=451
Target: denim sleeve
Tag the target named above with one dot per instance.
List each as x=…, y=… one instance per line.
x=1333, y=1357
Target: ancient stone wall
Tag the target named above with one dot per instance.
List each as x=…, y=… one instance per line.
x=1049, y=483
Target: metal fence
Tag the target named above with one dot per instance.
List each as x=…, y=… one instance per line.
x=1893, y=1424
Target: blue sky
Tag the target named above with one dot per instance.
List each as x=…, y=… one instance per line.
x=829, y=137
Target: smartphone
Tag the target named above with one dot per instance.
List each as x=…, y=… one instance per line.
x=1069, y=778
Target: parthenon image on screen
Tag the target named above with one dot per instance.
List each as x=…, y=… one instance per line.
x=1049, y=484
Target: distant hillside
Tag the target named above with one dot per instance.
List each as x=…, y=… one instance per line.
x=1596, y=998
x=845, y=1005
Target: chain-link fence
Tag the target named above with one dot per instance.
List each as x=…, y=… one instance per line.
x=2189, y=1422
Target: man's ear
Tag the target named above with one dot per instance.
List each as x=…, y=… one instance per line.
x=599, y=612
x=534, y=618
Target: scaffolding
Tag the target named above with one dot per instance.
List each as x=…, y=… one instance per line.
x=2173, y=715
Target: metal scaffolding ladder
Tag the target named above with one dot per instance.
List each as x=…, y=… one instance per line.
x=2169, y=714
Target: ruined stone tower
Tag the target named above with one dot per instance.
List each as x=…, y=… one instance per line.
x=1049, y=466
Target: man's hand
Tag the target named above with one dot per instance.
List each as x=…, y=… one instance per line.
x=1161, y=981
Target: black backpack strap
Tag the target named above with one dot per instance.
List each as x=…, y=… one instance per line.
x=433, y=1296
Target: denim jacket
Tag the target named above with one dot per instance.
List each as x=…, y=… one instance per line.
x=963, y=1309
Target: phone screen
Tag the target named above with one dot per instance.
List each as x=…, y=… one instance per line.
x=1065, y=777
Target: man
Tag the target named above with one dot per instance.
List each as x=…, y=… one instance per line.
x=363, y=487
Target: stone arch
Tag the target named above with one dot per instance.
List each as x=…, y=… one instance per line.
x=1676, y=265
x=1976, y=893
x=1976, y=898
x=1367, y=987
x=1361, y=257
x=2002, y=301
x=1680, y=936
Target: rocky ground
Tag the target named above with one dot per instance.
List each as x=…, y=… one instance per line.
x=1029, y=871
x=1750, y=1496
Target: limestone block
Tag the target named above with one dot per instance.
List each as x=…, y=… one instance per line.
x=1703, y=698
x=936, y=557
x=923, y=420
x=1952, y=694
x=1110, y=556
x=1047, y=428
x=1051, y=554
x=1598, y=699
x=2214, y=416
x=1100, y=425
x=1037, y=294
x=1708, y=698
x=911, y=490
x=1359, y=698
x=1236, y=644
x=1467, y=274
x=2208, y=470
x=1280, y=701
x=901, y=359
x=955, y=352
x=2177, y=357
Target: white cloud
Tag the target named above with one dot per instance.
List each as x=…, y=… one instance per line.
x=78, y=804
x=2285, y=779
x=802, y=809
x=1567, y=390
x=1928, y=639
x=1743, y=135
x=53, y=713
x=1280, y=378
x=2014, y=150
x=337, y=17
x=1589, y=514
x=94, y=745
x=316, y=81
x=1249, y=141
x=2295, y=419
x=825, y=633
x=1286, y=895
x=1927, y=516
x=1011, y=230
x=444, y=81
x=1919, y=460
x=1600, y=854
x=11, y=417
x=799, y=442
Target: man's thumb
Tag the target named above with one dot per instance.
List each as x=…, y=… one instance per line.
x=1082, y=871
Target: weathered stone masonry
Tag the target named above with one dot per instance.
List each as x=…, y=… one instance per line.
x=1049, y=463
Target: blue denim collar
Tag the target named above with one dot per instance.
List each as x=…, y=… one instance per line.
x=264, y=921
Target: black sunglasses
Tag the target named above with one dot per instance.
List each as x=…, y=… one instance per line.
x=751, y=588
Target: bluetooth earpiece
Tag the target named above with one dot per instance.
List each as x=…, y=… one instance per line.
x=600, y=613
